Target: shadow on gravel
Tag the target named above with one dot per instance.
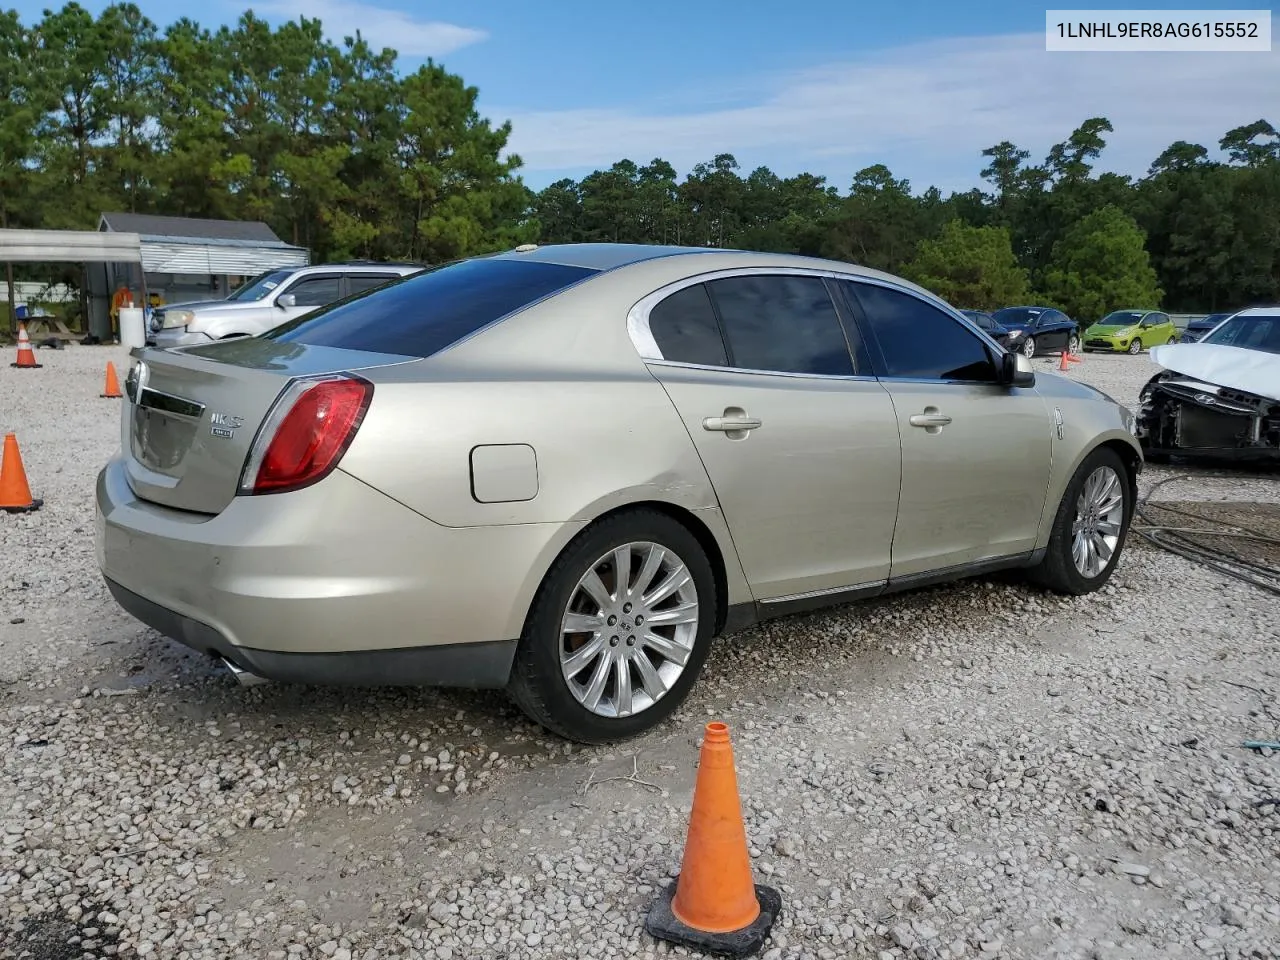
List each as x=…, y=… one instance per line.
x=50, y=938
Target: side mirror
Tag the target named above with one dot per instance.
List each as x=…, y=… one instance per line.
x=1016, y=371
x=286, y=300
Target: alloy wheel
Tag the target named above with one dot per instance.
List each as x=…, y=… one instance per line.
x=1135, y=348
x=1095, y=532
x=629, y=629
x=1029, y=347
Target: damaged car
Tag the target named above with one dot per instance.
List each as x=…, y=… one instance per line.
x=1218, y=398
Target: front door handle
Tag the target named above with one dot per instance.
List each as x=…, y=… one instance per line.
x=930, y=420
x=730, y=424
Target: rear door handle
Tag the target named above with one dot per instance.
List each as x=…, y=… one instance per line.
x=730, y=424
x=930, y=420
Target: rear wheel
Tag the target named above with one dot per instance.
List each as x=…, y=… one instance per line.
x=1135, y=348
x=1090, y=528
x=619, y=630
x=1073, y=344
x=1172, y=340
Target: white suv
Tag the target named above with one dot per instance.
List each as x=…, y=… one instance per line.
x=268, y=301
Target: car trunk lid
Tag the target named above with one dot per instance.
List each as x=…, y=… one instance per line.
x=191, y=416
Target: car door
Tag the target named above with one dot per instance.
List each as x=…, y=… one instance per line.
x=797, y=436
x=1159, y=328
x=975, y=455
x=1057, y=332
x=307, y=293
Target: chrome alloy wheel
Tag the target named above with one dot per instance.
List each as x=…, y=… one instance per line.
x=1095, y=533
x=1029, y=347
x=629, y=629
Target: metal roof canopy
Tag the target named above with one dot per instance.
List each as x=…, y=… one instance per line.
x=69, y=246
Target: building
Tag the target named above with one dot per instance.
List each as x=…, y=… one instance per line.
x=189, y=259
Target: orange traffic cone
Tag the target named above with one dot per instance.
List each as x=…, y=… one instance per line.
x=26, y=356
x=15, y=494
x=713, y=905
x=1063, y=365
x=112, y=389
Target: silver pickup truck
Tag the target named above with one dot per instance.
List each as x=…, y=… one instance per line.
x=268, y=301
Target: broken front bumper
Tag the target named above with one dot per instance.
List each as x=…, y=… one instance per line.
x=1187, y=417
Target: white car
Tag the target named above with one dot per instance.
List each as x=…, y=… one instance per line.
x=1218, y=398
x=267, y=301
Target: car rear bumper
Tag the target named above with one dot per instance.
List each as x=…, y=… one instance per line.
x=479, y=665
x=335, y=583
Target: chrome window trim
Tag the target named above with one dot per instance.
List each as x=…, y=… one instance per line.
x=642, y=336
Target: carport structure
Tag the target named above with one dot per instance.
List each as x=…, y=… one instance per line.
x=71, y=246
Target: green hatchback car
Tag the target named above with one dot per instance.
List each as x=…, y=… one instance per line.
x=1130, y=331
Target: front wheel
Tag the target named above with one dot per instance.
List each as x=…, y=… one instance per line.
x=1029, y=347
x=619, y=630
x=1073, y=344
x=1135, y=348
x=1090, y=528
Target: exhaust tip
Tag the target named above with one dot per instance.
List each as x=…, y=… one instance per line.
x=243, y=677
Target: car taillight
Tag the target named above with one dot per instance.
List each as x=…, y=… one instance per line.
x=306, y=433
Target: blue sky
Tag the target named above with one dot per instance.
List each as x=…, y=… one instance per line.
x=828, y=87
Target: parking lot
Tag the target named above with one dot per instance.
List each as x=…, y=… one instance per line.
x=975, y=770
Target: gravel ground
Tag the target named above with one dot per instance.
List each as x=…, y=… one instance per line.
x=976, y=770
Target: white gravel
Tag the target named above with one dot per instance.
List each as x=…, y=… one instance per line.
x=977, y=770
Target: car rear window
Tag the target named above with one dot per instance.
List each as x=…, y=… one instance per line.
x=426, y=312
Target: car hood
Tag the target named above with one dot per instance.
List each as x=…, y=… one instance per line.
x=190, y=304
x=1008, y=326
x=1098, y=330
x=1252, y=371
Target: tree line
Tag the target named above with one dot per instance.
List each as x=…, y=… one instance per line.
x=339, y=151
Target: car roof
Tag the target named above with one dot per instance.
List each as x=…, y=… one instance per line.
x=610, y=257
x=1258, y=312
x=600, y=256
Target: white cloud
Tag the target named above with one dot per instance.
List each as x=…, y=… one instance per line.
x=932, y=106
x=380, y=27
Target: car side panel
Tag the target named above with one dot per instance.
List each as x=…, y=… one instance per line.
x=1086, y=425
x=599, y=444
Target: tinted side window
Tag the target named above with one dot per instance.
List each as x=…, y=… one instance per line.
x=918, y=340
x=430, y=311
x=360, y=282
x=785, y=324
x=684, y=327
x=315, y=292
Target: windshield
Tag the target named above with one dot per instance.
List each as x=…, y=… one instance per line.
x=1249, y=333
x=423, y=313
x=1122, y=318
x=1017, y=316
x=261, y=285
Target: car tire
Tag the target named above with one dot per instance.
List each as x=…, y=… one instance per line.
x=1135, y=348
x=1059, y=570
x=1073, y=344
x=538, y=682
x=1172, y=340
x=1029, y=347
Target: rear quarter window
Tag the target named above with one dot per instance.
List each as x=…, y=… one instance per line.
x=426, y=312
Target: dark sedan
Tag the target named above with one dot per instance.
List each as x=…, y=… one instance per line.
x=1035, y=330
x=1196, y=329
x=989, y=326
